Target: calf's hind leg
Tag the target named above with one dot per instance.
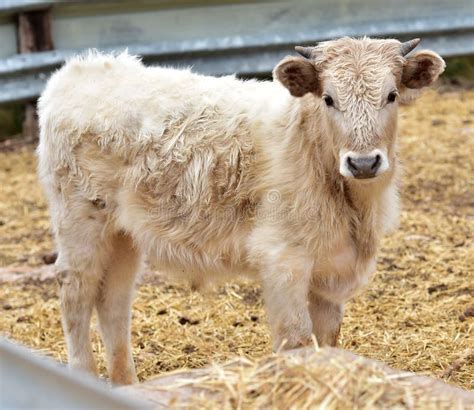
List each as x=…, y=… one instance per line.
x=114, y=305
x=78, y=293
x=80, y=266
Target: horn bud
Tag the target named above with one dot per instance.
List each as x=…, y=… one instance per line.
x=408, y=46
x=306, y=52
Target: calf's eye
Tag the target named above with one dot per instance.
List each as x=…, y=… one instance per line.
x=392, y=97
x=328, y=100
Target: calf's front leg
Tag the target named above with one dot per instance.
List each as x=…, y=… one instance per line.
x=326, y=317
x=285, y=293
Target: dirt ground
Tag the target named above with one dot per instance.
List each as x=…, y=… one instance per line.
x=416, y=313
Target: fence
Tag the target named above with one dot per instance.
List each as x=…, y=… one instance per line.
x=216, y=36
x=29, y=381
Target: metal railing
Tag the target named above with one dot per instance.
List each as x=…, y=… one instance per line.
x=28, y=381
x=221, y=36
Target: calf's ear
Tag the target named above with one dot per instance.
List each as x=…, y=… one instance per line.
x=422, y=69
x=298, y=75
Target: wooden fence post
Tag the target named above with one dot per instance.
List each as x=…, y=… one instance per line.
x=34, y=34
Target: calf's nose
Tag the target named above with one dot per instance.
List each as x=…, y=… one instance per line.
x=364, y=166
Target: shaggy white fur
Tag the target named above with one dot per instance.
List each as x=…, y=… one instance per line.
x=212, y=177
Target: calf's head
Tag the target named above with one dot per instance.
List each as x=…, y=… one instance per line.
x=355, y=87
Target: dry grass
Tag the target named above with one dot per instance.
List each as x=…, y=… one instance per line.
x=305, y=379
x=411, y=316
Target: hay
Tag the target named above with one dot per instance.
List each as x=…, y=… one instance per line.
x=411, y=316
x=304, y=379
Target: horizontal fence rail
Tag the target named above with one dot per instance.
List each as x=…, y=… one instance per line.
x=28, y=381
x=220, y=37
